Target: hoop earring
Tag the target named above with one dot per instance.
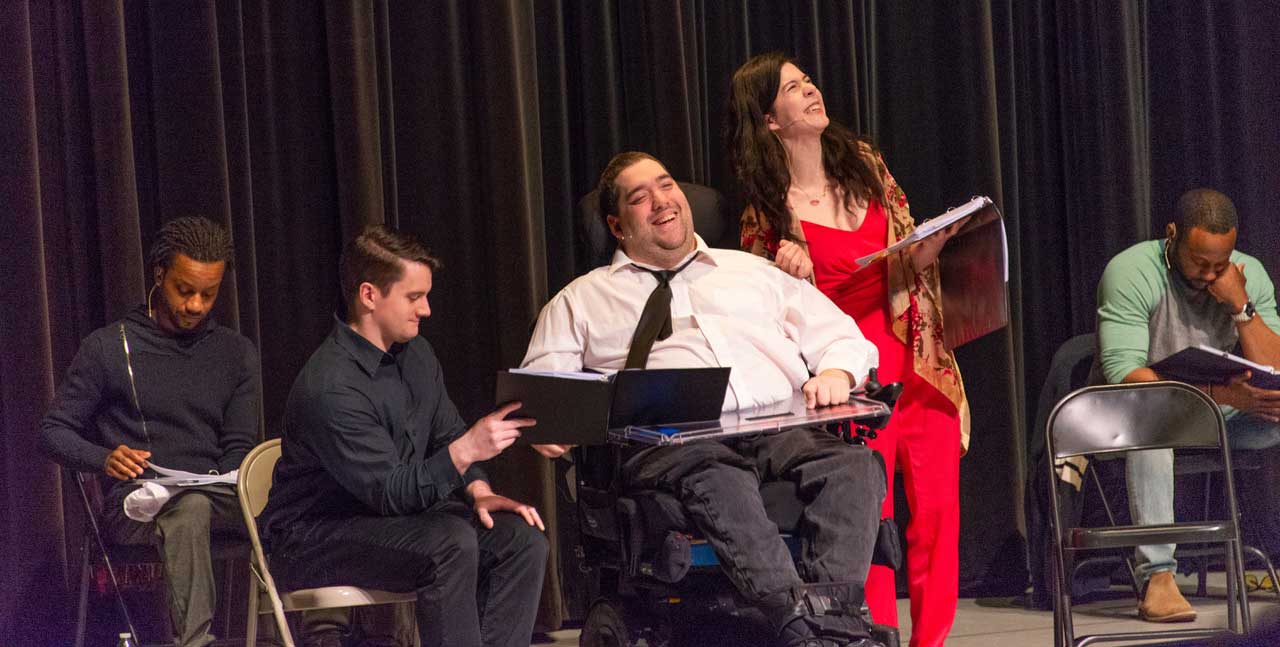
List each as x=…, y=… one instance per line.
x=1168, y=242
x=149, y=293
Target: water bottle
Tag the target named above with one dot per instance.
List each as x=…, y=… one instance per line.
x=126, y=640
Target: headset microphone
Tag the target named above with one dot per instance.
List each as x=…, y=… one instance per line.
x=791, y=123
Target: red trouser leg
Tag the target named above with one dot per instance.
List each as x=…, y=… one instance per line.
x=923, y=436
x=929, y=453
x=882, y=590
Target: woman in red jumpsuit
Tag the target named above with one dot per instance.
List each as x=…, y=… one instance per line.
x=818, y=198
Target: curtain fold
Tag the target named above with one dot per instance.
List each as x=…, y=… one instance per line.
x=479, y=126
x=26, y=378
x=112, y=162
x=1212, y=121
x=355, y=82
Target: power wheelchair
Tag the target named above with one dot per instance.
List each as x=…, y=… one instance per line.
x=650, y=580
x=654, y=583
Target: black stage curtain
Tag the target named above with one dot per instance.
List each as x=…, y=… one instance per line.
x=479, y=124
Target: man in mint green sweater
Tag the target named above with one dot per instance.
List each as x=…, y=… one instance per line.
x=1159, y=297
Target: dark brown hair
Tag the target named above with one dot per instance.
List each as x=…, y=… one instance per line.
x=375, y=257
x=607, y=187
x=757, y=155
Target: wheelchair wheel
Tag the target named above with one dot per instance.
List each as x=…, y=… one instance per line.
x=613, y=623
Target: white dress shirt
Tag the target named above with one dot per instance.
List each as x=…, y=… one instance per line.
x=728, y=308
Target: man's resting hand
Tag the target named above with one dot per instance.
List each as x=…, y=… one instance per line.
x=828, y=387
x=125, y=462
x=1263, y=403
x=553, y=451
x=486, y=503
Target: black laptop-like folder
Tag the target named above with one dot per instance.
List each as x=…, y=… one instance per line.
x=580, y=410
x=1205, y=364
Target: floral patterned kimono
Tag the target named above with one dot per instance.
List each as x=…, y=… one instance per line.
x=915, y=298
x=909, y=336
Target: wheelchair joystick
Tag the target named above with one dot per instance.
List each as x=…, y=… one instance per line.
x=886, y=393
x=860, y=433
x=873, y=382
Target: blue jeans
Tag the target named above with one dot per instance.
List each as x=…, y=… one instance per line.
x=1149, y=475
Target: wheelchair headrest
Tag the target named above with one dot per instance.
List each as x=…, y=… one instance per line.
x=710, y=219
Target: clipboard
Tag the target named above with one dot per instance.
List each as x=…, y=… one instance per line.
x=926, y=229
x=973, y=270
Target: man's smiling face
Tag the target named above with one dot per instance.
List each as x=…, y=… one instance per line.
x=654, y=223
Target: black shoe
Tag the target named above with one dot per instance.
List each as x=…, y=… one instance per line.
x=865, y=642
x=815, y=619
x=324, y=639
x=813, y=642
x=828, y=631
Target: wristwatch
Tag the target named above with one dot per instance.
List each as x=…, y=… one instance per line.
x=1246, y=313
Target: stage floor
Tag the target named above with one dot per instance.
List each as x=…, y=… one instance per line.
x=1000, y=622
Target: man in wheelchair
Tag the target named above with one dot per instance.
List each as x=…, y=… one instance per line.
x=667, y=300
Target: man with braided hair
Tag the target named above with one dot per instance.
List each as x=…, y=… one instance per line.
x=166, y=385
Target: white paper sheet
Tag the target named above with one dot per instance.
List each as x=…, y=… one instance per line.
x=589, y=376
x=181, y=479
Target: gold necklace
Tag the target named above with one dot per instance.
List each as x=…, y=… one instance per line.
x=813, y=202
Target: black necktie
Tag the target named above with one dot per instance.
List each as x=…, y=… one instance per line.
x=655, y=319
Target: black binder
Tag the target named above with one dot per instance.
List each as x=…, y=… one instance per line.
x=1205, y=364
x=580, y=410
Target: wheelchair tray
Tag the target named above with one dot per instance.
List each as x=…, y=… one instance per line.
x=745, y=422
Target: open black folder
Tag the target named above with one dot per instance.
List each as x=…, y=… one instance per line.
x=1204, y=364
x=580, y=408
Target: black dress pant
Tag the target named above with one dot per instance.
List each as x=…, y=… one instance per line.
x=841, y=486
x=475, y=586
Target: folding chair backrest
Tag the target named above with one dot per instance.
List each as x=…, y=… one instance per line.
x=253, y=485
x=1061, y=380
x=255, y=477
x=1127, y=417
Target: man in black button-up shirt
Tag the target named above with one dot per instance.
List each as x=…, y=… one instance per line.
x=378, y=483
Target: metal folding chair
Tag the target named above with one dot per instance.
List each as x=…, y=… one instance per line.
x=1120, y=418
x=223, y=549
x=253, y=486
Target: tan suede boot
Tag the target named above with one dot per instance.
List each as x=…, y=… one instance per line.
x=1163, y=602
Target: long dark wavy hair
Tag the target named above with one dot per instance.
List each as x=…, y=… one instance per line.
x=760, y=162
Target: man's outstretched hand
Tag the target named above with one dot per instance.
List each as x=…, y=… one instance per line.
x=488, y=437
